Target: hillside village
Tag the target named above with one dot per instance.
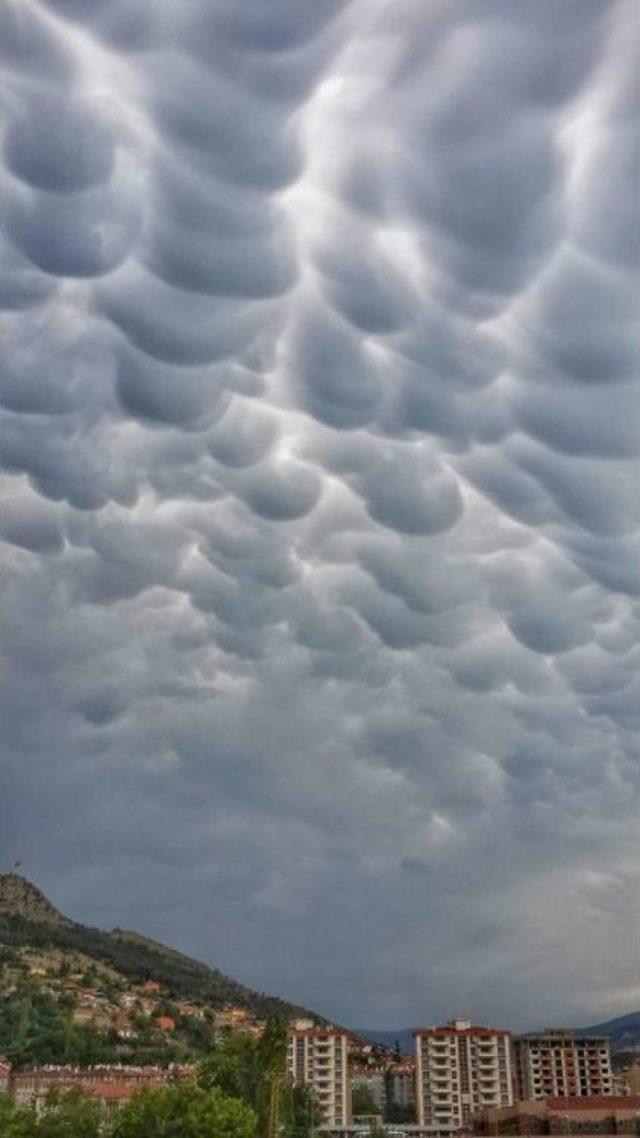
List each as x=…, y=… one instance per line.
x=125, y=1021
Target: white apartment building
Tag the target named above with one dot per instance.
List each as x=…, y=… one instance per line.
x=559, y=1063
x=460, y=1069
x=320, y=1058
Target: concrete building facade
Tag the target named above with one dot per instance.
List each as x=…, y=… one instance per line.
x=559, y=1063
x=112, y=1085
x=460, y=1069
x=602, y=1115
x=320, y=1058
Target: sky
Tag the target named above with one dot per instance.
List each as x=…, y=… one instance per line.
x=320, y=439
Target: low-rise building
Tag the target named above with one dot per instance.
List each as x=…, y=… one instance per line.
x=233, y=1018
x=95, y=1016
x=191, y=1011
x=165, y=1023
x=602, y=1114
x=5, y=1075
x=112, y=1084
x=124, y=1029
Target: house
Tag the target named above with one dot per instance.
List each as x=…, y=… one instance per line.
x=191, y=1011
x=5, y=1075
x=165, y=1023
x=97, y=1017
x=232, y=1017
x=124, y=1029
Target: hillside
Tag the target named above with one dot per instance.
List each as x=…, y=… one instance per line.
x=19, y=898
x=76, y=993
x=623, y=1031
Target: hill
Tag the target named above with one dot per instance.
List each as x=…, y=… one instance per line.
x=69, y=992
x=19, y=898
x=623, y=1031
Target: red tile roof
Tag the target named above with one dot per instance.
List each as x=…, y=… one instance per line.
x=595, y=1102
x=488, y=1031
x=112, y=1090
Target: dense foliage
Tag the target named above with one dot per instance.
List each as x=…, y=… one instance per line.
x=171, y=1112
x=34, y=1029
x=253, y=1069
x=185, y=1112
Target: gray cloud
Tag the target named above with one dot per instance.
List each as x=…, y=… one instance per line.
x=319, y=527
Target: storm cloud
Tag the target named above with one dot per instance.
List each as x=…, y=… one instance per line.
x=320, y=524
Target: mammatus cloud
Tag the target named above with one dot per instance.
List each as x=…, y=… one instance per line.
x=319, y=521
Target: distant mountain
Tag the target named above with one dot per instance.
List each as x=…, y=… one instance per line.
x=624, y=1032
x=28, y=920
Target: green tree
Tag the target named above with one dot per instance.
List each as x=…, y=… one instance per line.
x=232, y=1068
x=301, y=1113
x=16, y=1121
x=254, y=1070
x=271, y=1064
x=35, y=1029
x=185, y=1111
x=71, y=1115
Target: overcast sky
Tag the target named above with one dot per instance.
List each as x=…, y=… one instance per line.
x=320, y=513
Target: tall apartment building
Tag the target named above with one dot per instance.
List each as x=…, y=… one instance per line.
x=460, y=1069
x=320, y=1058
x=559, y=1063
